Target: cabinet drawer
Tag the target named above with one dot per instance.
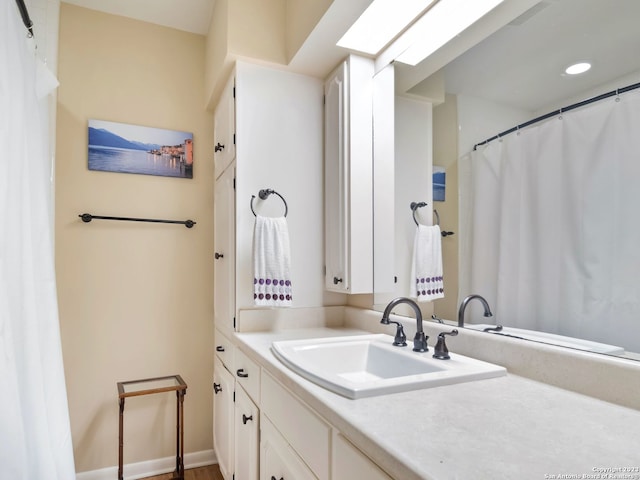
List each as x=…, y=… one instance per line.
x=247, y=374
x=305, y=431
x=224, y=350
x=277, y=458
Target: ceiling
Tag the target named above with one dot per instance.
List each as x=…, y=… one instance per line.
x=189, y=15
x=520, y=65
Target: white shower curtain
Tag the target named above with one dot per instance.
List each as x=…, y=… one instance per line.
x=35, y=438
x=549, y=224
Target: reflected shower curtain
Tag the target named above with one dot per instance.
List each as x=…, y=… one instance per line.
x=35, y=438
x=550, y=231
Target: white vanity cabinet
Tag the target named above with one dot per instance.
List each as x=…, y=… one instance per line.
x=263, y=430
x=247, y=436
x=236, y=416
x=296, y=443
x=223, y=413
x=348, y=142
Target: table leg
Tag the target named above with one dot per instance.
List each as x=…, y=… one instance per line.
x=178, y=474
x=181, y=398
x=120, y=439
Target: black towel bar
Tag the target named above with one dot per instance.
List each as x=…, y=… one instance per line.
x=87, y=217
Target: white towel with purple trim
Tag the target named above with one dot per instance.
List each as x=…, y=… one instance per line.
x=271, y=262
x=426, y=268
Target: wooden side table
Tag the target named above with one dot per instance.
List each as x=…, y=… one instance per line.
x=134, y=388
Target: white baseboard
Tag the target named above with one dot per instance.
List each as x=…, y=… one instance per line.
x=133, y=471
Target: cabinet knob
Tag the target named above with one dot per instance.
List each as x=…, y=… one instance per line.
x=219, y=348
x=241, y=373
x=218, y=255
x=274, y=478
x=217, y=388
x=245, y=419
x=219, y=147
x=336, y=280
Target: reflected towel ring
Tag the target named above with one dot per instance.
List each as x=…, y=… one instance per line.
x=415, y=206
x=264, y=194
x=444, y=233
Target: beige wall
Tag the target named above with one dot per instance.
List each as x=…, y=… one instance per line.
x=445, y=154
x=265, y=30
x=135, y=298
x=248, y=29
x=217, y=65
x=301, y=17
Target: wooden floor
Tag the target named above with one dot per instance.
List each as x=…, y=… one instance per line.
x=211, y=472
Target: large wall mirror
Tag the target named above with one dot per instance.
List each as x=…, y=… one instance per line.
x=512, y=76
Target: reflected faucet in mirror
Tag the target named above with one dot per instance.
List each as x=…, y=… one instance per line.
x=465, y=302
x=419, y=340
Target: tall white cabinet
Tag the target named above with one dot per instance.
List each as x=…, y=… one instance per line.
x=267, y=134
x=348, y=176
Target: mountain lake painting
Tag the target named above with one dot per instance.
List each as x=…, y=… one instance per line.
x=124, y=148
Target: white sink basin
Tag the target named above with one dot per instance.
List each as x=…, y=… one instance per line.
x=360, y=366
x=553, y=339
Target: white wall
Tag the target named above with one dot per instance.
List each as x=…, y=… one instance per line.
x=479, y=119
x=279, y=146
x=413, y=167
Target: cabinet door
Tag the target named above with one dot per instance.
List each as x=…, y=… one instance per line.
x=349, y=177
x=247, y=437
x=336, y=277
x=350, y=463
x=277, y=460
x=223, y=418
x=225, y=128
x=224, y=251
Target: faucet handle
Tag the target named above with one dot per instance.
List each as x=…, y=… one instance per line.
x=400, y=340
x=420, y=342
x=441, y=350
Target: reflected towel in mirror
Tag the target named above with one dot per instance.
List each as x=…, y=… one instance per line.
x=426, y=268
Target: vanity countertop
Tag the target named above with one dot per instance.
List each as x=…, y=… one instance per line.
x=509, y=427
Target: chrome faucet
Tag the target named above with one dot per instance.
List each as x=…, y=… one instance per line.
x=463, y=307
x=419, y=341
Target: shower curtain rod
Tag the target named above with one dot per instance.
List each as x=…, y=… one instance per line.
x=25, y=16
x=561, y=110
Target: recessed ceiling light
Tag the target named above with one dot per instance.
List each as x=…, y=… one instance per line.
x=577, y=68
x=380, y=23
